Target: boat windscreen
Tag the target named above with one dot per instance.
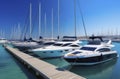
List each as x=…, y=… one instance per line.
x=66, y=44
x=73, y=45
x=76, y=52
x=94, y=42
x=58, y=44
x=49, y=43
x=88, y=48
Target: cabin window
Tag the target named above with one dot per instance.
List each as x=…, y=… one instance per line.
x=88, y=48
x=103, y=50
x=66, y=44
x=76, y=52
x=94, y=42
x=49, y=43
x=58, y=44
x=74, y=45
x=66, y=50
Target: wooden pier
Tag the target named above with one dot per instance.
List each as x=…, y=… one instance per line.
x=46, y=70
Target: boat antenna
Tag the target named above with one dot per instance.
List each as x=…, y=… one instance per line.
x=83, y=22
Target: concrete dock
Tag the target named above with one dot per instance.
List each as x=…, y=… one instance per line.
x=46, y=70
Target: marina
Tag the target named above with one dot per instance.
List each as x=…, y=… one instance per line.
x=105, y=70
x=59, y=39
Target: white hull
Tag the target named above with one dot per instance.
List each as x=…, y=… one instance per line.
x=25, y=45
x=3, y=41
x=52, y=53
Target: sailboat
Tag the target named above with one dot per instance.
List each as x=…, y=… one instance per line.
x=27, y=44
x=2, y=40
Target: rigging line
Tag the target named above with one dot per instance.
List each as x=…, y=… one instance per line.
x=82, y=19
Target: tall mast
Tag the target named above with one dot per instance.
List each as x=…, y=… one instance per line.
x=39, y=19
x=58, y=18
x=75, y=15
x=30, y=20
x=19, y=31
x=83, y=20
x=52, y=23
x=45, y=24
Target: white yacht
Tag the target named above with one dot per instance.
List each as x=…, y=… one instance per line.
x=25, y=45
x=56, y=50
x=94, y=52
x=3, y=41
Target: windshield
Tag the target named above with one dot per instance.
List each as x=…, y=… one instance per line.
x=49, y=43
x=94, y=42
x=76, y=52
x=66, y=44
x=88, y=48
x=58, y=44
x=74, y=45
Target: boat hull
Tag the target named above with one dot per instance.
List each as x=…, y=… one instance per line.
x=91, y=60
x=53, y=53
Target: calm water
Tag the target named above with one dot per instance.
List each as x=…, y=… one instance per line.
x=12, y=69
x=108, y=70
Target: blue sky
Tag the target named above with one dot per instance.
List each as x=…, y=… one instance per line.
x=101, y=16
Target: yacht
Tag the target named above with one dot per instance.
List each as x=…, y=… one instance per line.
x=3, y=41
x=56, y=50
x=26, y=45
x=94, y=52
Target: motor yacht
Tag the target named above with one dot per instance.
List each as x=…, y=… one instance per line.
x=56, y=50
x=94, y=52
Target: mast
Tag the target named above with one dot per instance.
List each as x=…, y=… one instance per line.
x=19, y=31
x=52, y=23
x=75, y=15
x=45, y=24
x=58, y=18
x=83, y=20
x=39, y=19
x=30, y=20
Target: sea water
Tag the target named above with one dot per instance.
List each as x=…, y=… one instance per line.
x=10, y=68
